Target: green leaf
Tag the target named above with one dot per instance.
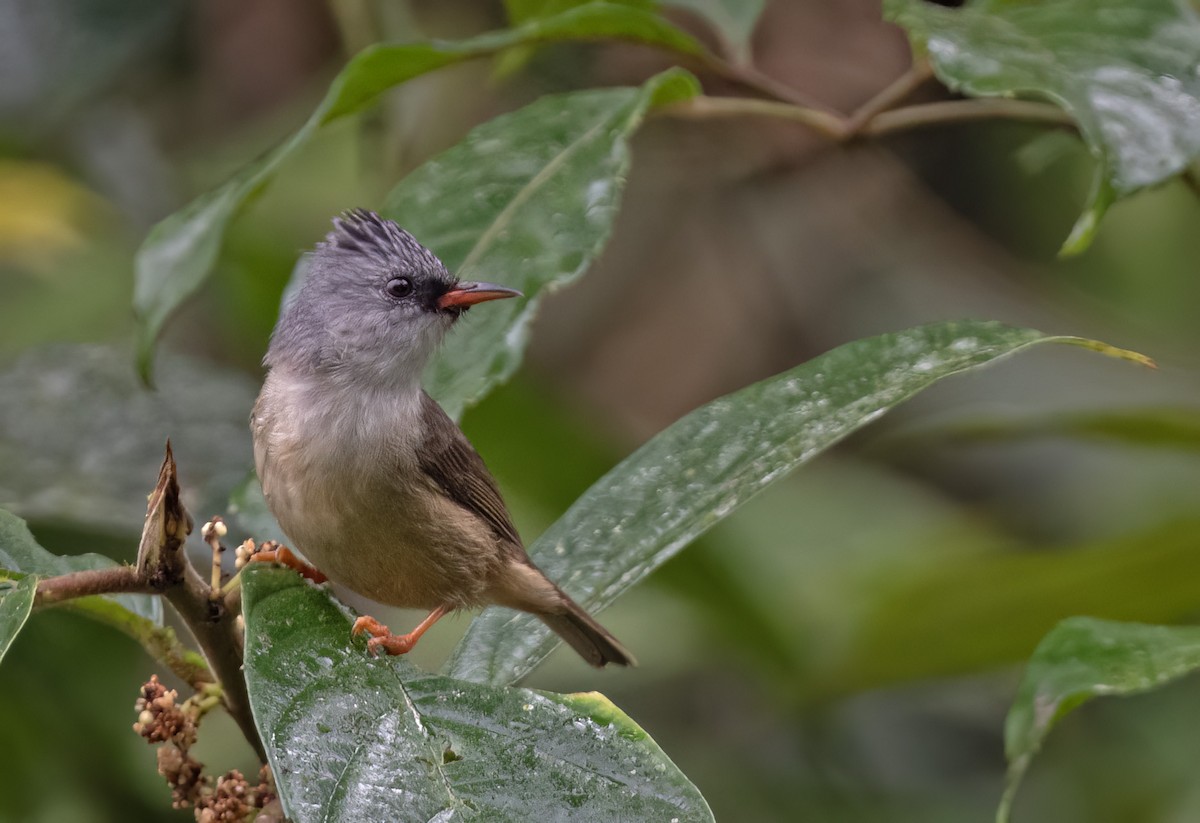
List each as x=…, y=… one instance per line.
x=734, y=19
x=16, y=603
x=352, y=737
x=1123, y=69
x=90, y=453
x=940, y=619
x=179, y=252
x=528, y=200
x=1166, y=428
x=21, y=555
x=1084, y=658
x=704, y=466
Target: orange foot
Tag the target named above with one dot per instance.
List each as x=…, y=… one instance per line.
x=272, y=552
x=382, y=637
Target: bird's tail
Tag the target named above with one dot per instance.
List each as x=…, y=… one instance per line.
x=586, y=636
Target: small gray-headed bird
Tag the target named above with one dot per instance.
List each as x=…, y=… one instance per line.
x=371, y=481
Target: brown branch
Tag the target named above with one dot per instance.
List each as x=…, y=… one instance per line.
x=117, y=580
x=161, y=558
x=162, y=568
x=215, y=628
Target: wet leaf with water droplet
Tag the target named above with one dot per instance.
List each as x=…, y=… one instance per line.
x=1125, y=70
x=378, y=739
x=1082, y=658
x=528, y=200
x=90, y=453
x=736, y=446
x=179, y=253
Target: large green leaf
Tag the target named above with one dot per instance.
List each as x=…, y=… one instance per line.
x=1084, y=658
x=179, y=252
x=21, y=555
x=352, y=737
x=1157, y=427
x=527, y=199
x=1124, y=69
x=704, y=466
x=80, y=440
x=16, y=602
x=939, y=619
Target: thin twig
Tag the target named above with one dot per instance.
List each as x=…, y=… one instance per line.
x=885, y=123
x=703, y=108
x=959, y=111
x=748, y=77
x=894, y=93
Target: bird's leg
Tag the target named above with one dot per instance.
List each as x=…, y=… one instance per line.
x=272, y=552
x=382, y=638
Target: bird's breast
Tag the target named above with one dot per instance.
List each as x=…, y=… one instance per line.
x=341, y=475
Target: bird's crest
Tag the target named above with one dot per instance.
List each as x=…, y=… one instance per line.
x=364, y=232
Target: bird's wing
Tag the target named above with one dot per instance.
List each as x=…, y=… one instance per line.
x=451, y=462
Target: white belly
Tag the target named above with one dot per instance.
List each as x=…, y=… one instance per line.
x=347, y=490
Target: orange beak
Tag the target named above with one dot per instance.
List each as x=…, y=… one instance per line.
x=468, y=294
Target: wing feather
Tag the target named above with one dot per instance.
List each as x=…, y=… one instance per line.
x=451, y=462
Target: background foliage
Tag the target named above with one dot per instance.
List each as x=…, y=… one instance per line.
x=843, y=646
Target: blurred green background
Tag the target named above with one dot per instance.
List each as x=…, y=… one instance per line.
x=844, y=648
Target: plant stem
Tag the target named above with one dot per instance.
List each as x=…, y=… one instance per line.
x=751, y=78
x=841, y=129
x=959, y=111
x=917, y=75
x=215, y=629
x=703, y=108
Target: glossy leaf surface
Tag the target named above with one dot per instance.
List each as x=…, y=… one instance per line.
x=528, y=200
x=1084, y=658
x=700, y=469
x=179, y=253
x=353, y=737
x=1124, y=69
x=90, y=453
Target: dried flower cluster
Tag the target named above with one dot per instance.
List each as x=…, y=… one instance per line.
x=231, y=799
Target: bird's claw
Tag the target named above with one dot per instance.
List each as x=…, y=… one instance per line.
x=271, y=552
x=382, y=638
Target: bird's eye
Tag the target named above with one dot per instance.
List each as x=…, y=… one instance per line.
x=399, y=287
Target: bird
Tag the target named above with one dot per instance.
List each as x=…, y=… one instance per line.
x=371, y=481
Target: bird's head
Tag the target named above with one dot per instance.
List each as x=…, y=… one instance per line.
x=374, y=302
